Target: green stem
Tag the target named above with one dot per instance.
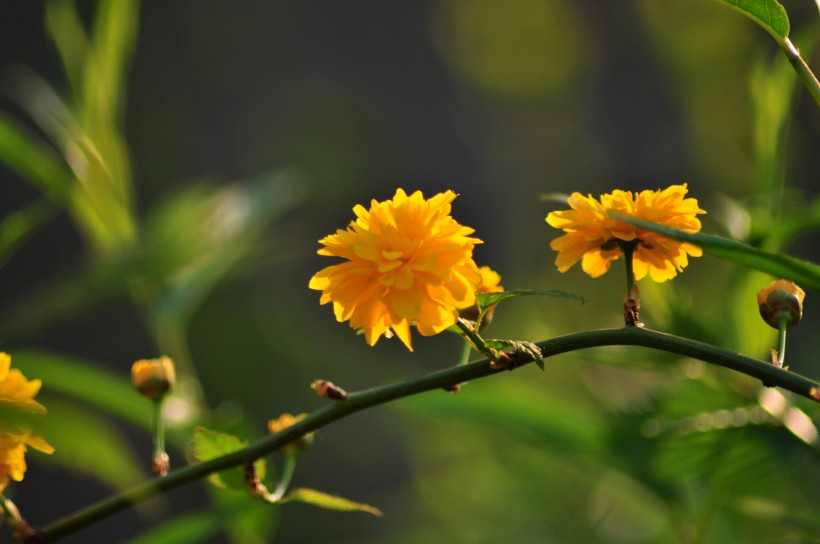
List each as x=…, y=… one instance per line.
x=7, y=514
x=802, y=69
x=781, y=341
x=629, y=248
x=466, y=349
x=288, y=468
x=445, y=378
x=476, y=340
x=159, y=429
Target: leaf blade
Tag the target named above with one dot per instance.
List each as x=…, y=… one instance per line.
x=805, y=273
x=81, y=380
x=329, y=502
x=769, y=14
x=489, y=299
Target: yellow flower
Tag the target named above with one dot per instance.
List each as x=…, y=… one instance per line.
x=408, y=261
x=17, y=399
x=596, y=238
x=783, y=299
x=489, y=281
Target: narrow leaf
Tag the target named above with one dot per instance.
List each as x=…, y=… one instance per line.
x=110, y=392
x=769, y=14
x=329, y=502
x=804, y=273
x=194, y=239
x=24, y=153
x=485, y=300
x=66, y=29
x=19, y=225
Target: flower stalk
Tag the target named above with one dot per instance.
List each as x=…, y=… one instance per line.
x=161, y=463
x=288, y=468
x=781, y=342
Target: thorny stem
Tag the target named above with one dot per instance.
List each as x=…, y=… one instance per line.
x=445, y=378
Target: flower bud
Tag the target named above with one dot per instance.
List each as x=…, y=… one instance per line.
x=782, y=300
x=298, y=446
x=328, y=390
x=490, y=280
x=153, y=377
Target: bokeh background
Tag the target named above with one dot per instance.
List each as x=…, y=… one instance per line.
x=253, y=127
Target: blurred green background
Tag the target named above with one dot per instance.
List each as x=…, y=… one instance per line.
x=168, y=168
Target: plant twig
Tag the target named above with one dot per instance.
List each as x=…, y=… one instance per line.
x=802, y=69
x=357, y=401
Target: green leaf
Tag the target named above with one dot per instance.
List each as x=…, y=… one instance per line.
x=66, y=29
x=329, y=502
x=485, y=300
x=113, y=40
x=195, y=238
x=19, y=225
x=774, y=511
x=113, y=393
x=190, y=528
x=769, y=14
x=517, y=411
x=89, y=444
x=804, y=273
x=35, y=161
x=208, y=444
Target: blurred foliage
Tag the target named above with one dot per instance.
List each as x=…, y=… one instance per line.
x=207, y=444
x=501, y=101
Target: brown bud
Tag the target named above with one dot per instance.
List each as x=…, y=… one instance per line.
x=153, y=377
x=632, y=308
x=161, y=464
x=782, y=300
x=328, y=390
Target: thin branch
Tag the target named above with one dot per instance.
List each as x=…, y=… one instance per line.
x=802, y=69
x=447, y=378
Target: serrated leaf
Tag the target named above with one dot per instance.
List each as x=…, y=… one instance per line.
x=208, y=444
x=485, y=300
x=804, y=273
x=329, y=502
x=769, y=14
